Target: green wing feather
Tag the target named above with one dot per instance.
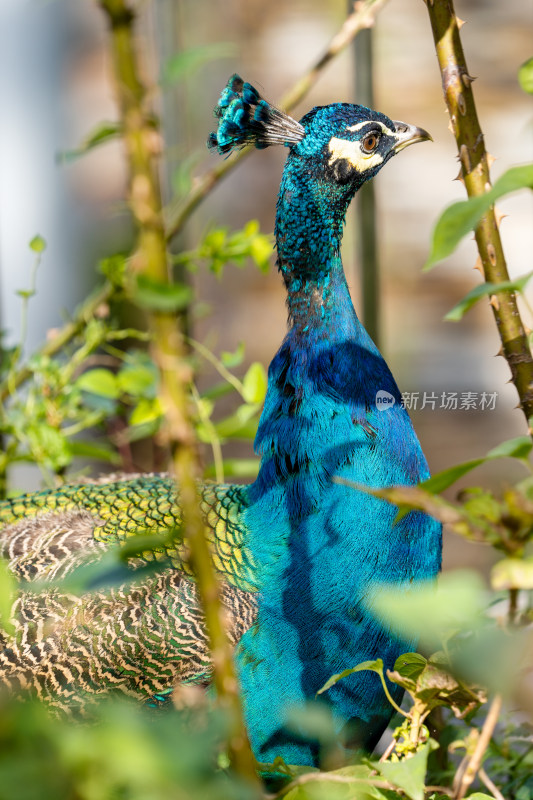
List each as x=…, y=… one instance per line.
x=47, y=530
x=139, y=638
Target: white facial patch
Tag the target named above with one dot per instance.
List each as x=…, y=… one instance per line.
x=352, y=152
x=354, y=128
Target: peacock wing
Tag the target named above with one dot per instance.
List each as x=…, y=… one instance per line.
x=45, y=535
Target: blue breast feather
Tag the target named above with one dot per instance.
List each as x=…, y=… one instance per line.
x=337, y=545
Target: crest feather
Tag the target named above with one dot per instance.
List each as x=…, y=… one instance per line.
x=246, y=118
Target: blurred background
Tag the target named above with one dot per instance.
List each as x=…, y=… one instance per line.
x=55, y=88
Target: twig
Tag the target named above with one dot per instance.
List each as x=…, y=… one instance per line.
x=438, y=790
x=457, y=87
x=493, y=789
x=218, y=365
x=141, y=139
x=388, y=751
x=485, y=736
x=513, y=607
x=362, y=17
x=50, y=348
x=214, y=440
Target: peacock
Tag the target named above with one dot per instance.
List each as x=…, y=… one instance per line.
x=301, y=554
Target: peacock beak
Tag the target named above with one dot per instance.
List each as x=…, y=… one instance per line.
x=409, y=134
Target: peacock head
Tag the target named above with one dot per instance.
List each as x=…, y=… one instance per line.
x=342, y=145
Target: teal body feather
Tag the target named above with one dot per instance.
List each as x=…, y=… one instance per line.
x=302, y=555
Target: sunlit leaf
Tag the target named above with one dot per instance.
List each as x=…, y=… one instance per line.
x=37, y=244
x=234, y=359
x=525, y=76
x=512, y=573
x=372, y=666
x=137, y=380
x=8, y=588
x=427, y=610
x=462, y=217
x=410, y=773
x=157, y=296
x=518, y=447
x=484, y=289
x=255, y=383
x=410, y=665
x=146, y=411
x=99, y=381
x=101, y=134
x=241, y=423
x=236, y=468
x=91, y=450
x=441, y=480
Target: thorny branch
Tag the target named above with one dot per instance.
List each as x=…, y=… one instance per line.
x=474, y=159
x=141, y=140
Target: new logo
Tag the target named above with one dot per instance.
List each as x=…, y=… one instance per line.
x=384, y=400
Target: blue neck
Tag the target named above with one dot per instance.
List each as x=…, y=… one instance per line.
x=309, y=223
x=320, y=406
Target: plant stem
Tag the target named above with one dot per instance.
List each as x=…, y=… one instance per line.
x=513, y=607
x=491, y=786
x=177, y=215
x=366, y=198
x=457, y=87
x=476, y=759
x=50, y=348
x=142, y=143
x=362, y=17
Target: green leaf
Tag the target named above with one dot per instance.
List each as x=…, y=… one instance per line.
x=261, y=251
x=430, y=611
x=187, y=61
x=137, y=380
x=90, y=450
x=236, y=468
x=512, y=573
x=157, y=296
x=255, y=383
x=525, y=76
x=146, y=411
x=101, y=134
x=410, y=773
x=37, y=244
x=357, y=784
x=410, y=665
x=460, y=218
x=518, y=447
x=49, y=445
x=441, y=480
x=99, y=381
x=372, y=666
x=470, y=299
x=481, y=796
x=238, y=423
x=8, y=588
x=113, y=268
x=232, y=360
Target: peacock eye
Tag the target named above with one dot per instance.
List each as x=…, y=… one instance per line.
x=370, y=142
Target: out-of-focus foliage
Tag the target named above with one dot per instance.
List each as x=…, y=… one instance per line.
x=127, y=752
x=99, y=394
